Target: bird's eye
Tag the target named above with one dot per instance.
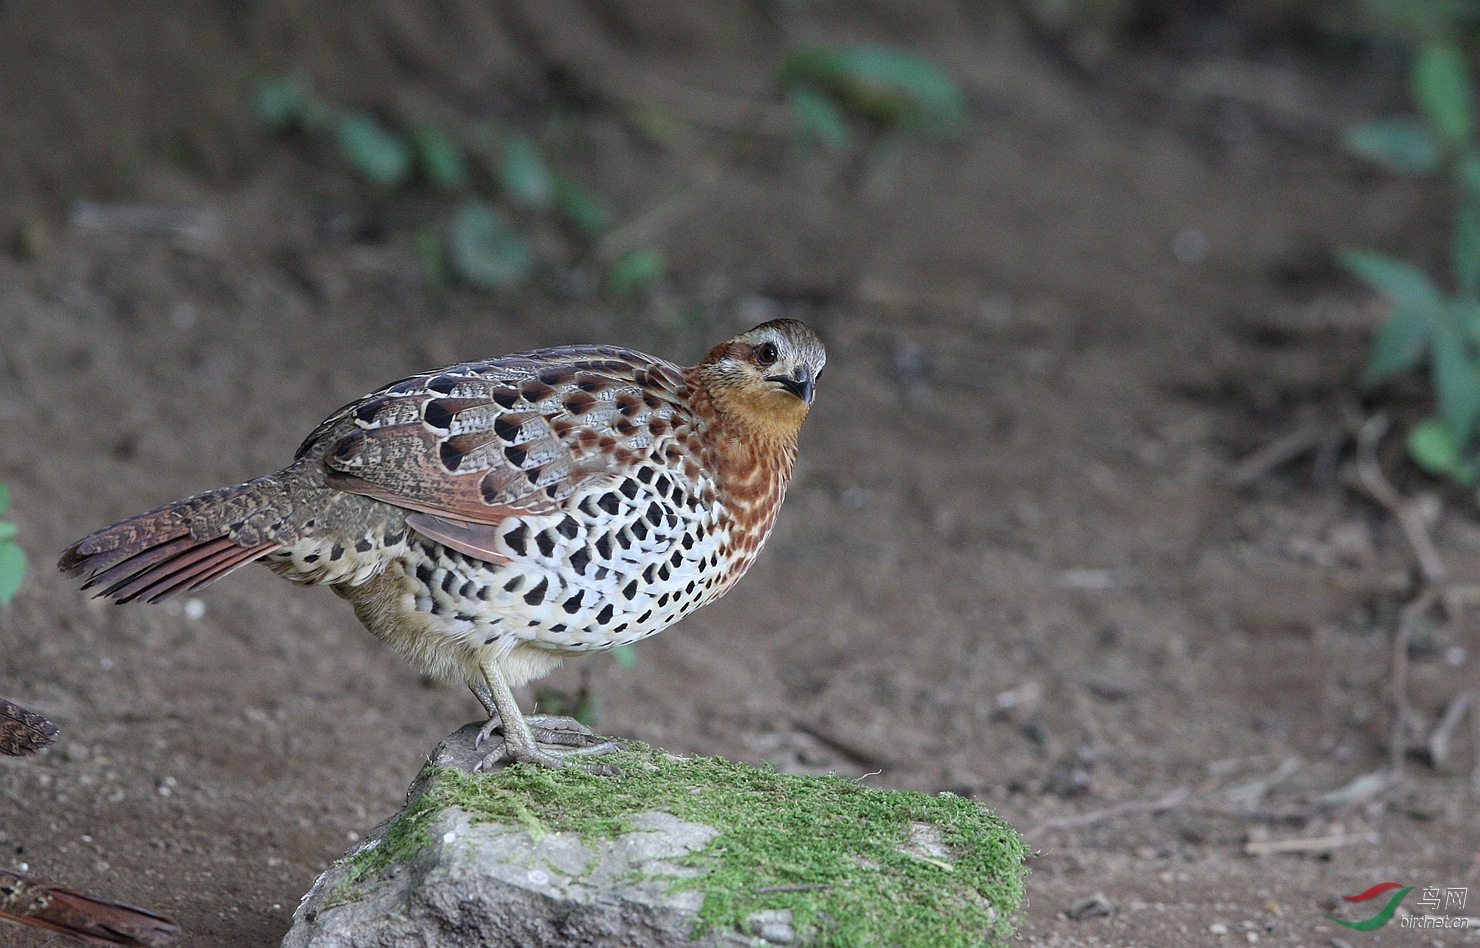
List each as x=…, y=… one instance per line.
x=766, y=354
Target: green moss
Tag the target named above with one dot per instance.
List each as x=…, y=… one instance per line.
x=845, y=849
x=405, y=837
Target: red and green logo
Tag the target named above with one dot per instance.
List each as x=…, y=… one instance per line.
x=1382, y=917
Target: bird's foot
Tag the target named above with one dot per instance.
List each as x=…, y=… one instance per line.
x=568, y=732
x=546, y=741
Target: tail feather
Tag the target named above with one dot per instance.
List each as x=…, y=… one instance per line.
x=176, y=548
x=114, y=576
x=191, y=569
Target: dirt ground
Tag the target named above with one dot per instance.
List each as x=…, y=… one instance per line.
x=1023, y=557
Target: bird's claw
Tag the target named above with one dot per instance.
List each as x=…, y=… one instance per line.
x=491, y=727
x=556, y=741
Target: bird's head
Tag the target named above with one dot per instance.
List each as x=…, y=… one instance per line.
x=765, y=377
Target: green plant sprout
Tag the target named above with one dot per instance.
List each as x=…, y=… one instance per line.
x=12, y=557
x=500, y=185
x=1425, y=323
x=896, y=90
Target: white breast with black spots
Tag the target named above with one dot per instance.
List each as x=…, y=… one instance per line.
x=619, y=563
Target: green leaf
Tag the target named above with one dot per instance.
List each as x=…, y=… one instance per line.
x=523, y=173
x=4, y=498
x=440, y=158
x=431, y=249
x=581, y=207
x=1433, y=447
x=638, y=269
x=283, y=103
x=897, y=88
x=1467, y=251
x=7, y=530
x=1467, y=175
x=485, y=251
x=626, y=656
x=12, y=571
x=1464, y=314
x=1400, y=144
x=1399, y=344
x=665, y=127
x=814, y=118
x=378, y=155
x=1399, y=281
x=1456, y=382
x=1441, y=87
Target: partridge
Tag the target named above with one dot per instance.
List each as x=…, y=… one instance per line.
x=487, y=519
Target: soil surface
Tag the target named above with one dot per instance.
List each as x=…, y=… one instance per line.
x=1025, y=556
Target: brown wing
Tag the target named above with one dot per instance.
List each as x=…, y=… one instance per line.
x=88, y=918
x=471, y=444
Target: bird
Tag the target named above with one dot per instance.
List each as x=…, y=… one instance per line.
x=488, y=519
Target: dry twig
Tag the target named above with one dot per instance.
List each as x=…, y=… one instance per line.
x=1410, y=616
x=1443, y=732
x=1285, y=448
x=181, y=223
x=1372, y=482
x=794, y=887
x=1182, y=799
x=860, y=753
x=1172, y=800
x=1312, y=844
x=1433, y=575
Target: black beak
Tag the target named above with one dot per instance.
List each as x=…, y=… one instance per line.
x=799, y=383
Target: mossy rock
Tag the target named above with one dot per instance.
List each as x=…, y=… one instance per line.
x=673, y=851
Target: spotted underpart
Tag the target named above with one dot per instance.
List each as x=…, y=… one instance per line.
x=630, y=558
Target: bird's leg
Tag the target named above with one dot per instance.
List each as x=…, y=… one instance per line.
x=522, y=738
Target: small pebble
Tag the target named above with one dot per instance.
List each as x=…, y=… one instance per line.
x=1190, y=245
x=1218, y=928
x=1096, y=906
